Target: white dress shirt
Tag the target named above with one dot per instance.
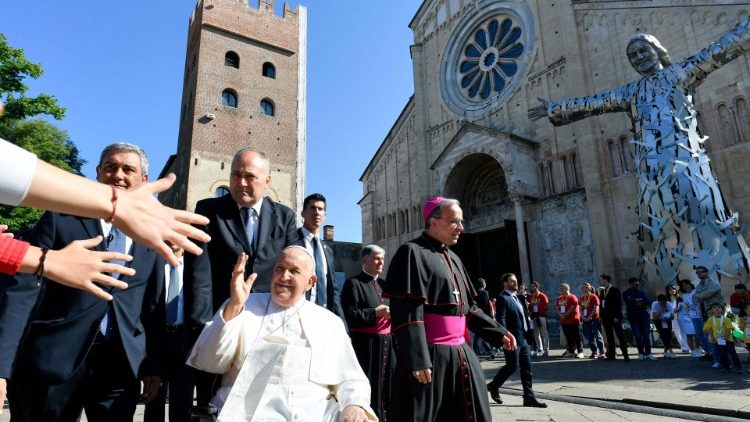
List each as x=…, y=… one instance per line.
x=309, y=246
x=17, y=168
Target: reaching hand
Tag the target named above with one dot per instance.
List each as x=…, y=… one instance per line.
x=142, y=217
x=509, y=342
x=77, y=266
x=239, y=288
x=537, y=112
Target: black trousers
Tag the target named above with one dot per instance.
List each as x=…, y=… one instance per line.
x=573, y=336
x=612, y=328
x=177, y=380
x=104, y=386
x=519, y=358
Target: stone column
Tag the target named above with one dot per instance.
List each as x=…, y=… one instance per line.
x=523, y=258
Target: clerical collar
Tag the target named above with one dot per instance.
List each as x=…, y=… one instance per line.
x=374, y=277
x=434, y=243
x=256, y=206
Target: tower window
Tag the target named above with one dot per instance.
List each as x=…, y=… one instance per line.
x=221, y=191
x=266, y=107
x=269, y=71
x=232, y=59
x=229, y=98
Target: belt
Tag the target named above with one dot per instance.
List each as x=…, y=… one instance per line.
x=173, y=328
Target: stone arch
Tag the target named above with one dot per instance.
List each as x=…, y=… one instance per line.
x=479, y=183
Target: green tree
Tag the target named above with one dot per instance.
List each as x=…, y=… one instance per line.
x=38, y=136
x=14, y=69
x=50, y=144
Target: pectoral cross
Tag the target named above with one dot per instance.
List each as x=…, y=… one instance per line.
x=457, y=294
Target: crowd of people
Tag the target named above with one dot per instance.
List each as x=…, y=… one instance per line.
x=235, y=309
x=232, y=308
x=695, y=319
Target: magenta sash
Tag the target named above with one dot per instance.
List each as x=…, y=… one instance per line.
x=382, y=327
x=444, y=329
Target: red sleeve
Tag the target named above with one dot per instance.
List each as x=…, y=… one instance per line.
x=594, y=302
x=12, y=252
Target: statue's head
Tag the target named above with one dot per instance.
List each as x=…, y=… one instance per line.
x=646, y=54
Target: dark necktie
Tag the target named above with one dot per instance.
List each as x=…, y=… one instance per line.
x=320, y=272
x=173, y=294
x=520, y=308
x=248, y=214
x=115, y=243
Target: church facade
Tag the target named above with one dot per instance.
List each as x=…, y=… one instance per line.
x=244, y=86
x=554, y=204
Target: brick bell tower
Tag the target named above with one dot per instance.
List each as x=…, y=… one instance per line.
x=244, y=86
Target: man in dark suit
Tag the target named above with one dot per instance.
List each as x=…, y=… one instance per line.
x=326, y=292
x=78, y=351
x=177, y=377
x=611, y=316
x=243, y=221
x=514, y=316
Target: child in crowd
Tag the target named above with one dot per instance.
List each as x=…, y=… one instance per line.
x=662, y=314
x=719, y=329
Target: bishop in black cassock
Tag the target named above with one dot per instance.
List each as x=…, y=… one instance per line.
x=368, y=318
x=438, y=376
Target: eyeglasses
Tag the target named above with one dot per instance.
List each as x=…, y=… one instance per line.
x=453, y=221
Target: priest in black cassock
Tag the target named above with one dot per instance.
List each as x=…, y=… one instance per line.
x=369, y=320
x=438, y=376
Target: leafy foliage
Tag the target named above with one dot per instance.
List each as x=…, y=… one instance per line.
x=14, y=69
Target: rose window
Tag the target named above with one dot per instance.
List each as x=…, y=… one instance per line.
x=487, y=57
x=490, y=58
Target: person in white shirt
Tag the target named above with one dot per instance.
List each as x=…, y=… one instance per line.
x=281, y=356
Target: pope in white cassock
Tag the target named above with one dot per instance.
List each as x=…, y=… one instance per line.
x=282, y=358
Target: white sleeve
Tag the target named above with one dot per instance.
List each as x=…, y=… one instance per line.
x=17, y=167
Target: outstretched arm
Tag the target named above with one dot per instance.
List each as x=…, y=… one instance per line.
x=730, y=46
x=566, y=111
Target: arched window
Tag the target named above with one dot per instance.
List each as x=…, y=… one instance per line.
x=614, y=158
x=229, y=98
x=269, y=71
x=742, y=113
x=266, y=107
x=564, y=170
x=221, y=191
x=574, y=170
x=550, y=178
x=726, y=122
x=231, y=59
x=626, y=157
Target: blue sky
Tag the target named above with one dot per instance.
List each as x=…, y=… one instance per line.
x=117, y=67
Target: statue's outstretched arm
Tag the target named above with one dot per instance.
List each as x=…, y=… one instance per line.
x=565, y=111
x=730, y=46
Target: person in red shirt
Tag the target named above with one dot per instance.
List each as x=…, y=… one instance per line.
x=590, y=318
x=538, y=303
x=739, y=299
x=570, y=319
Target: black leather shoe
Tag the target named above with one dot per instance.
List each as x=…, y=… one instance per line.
x=534, y=403
x=495, y=393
